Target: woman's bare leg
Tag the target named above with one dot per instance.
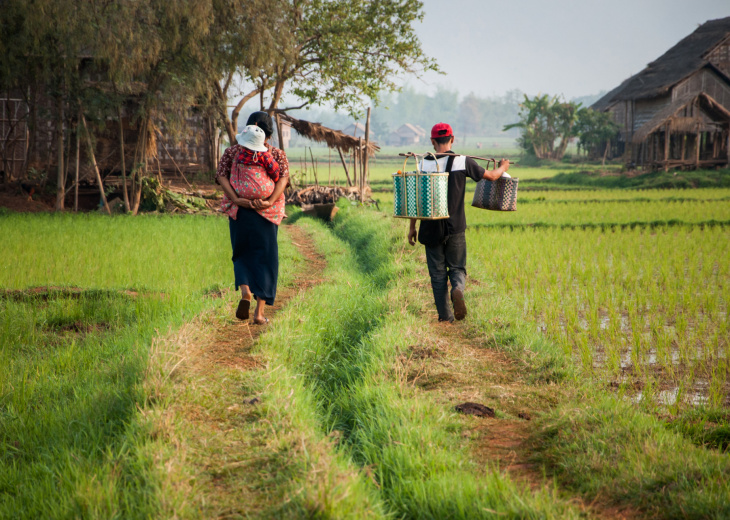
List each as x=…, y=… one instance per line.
x=258, y=315
x=245, y=292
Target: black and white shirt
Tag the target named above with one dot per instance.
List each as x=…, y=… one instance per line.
x=461, y=168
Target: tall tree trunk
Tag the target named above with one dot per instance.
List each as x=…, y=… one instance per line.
x=60, y=177
x=96, y=168
x=124, y=164
x=278, y=91
x=140, y=161
x=76, y=172
x=367, y=143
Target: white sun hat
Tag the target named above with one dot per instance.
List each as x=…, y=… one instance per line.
x=252, y=138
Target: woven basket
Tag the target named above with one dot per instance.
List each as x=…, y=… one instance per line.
x=421, y=195
x=499, y=195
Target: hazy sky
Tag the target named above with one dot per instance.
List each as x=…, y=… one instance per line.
x=569, y=47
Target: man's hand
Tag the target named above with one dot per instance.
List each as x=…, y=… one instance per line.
x=412, y=233
x=412, y=236
x=504, y=163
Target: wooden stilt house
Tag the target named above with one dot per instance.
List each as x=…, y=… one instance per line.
x=676, y=112
x=32, y=123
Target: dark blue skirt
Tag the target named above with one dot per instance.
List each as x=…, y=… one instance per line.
x=255, y=253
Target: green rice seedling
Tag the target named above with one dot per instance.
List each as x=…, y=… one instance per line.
x=641, y=275
x=607, y=448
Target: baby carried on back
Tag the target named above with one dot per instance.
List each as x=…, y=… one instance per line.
x=254, y=171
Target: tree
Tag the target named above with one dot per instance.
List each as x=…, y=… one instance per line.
x=159, y=55
x=547, y=125
x=335, y=52
x=595, y=129
x=94, y=59
x=41, y=44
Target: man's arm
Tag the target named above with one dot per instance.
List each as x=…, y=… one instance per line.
x=493, y=175
x=412, y=233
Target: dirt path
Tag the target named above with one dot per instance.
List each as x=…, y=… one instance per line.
x=225, y=463
x=235, y=339
x=477, y=372
x=239, y=473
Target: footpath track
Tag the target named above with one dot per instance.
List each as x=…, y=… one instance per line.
x=227, y=460
x=344, y=405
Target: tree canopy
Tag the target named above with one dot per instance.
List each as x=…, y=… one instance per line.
x=91, y=58
x=547, y=124
x=335, y=52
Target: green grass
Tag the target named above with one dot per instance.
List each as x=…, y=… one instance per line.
x=653, y=180
x=171, y=254
x=629, y=315
x=344, y=350
x=600, y=446
x=629, y=305
x=73, y=357
x=69, y=391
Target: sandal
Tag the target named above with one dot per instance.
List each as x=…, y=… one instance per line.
x=242, y=311
x=265, y=321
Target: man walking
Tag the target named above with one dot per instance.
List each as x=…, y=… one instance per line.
x=445, y=239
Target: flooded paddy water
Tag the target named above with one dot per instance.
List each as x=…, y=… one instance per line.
x=643, y=308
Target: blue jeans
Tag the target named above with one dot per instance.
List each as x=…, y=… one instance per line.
x=447, y=262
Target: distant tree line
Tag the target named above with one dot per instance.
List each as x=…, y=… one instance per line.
x=470, y=115
x=484, y=116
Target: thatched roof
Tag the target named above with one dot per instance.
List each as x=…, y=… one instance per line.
x=668, y=115
x=679, y=62
x=321, y=134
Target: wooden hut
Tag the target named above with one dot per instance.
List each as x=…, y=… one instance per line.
x=406, y=135
x=355, y=129
x=30, y=129
x=360, y=148
x=676, y=112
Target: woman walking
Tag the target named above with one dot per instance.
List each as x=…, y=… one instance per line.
x=254, y=221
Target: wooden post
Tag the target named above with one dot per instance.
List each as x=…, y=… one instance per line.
x=354, y=167
x=684, y=146
x=124, y=164
x=329, y=165
x=96, y=168
x=344, y=165
x=362, y=177
x=60, y=178
x=666, y=147
x=697, y=151
x=314, y=166
x=367, y=144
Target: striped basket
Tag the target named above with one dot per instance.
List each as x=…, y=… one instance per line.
x=420, y=195
x=499, y=195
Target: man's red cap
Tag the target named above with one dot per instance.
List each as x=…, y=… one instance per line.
x=441, y=130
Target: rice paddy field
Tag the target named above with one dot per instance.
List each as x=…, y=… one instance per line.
x=597, y=332
x=633, y=284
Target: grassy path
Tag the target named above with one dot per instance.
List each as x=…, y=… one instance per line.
x=239, y=449
x=345, y=406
